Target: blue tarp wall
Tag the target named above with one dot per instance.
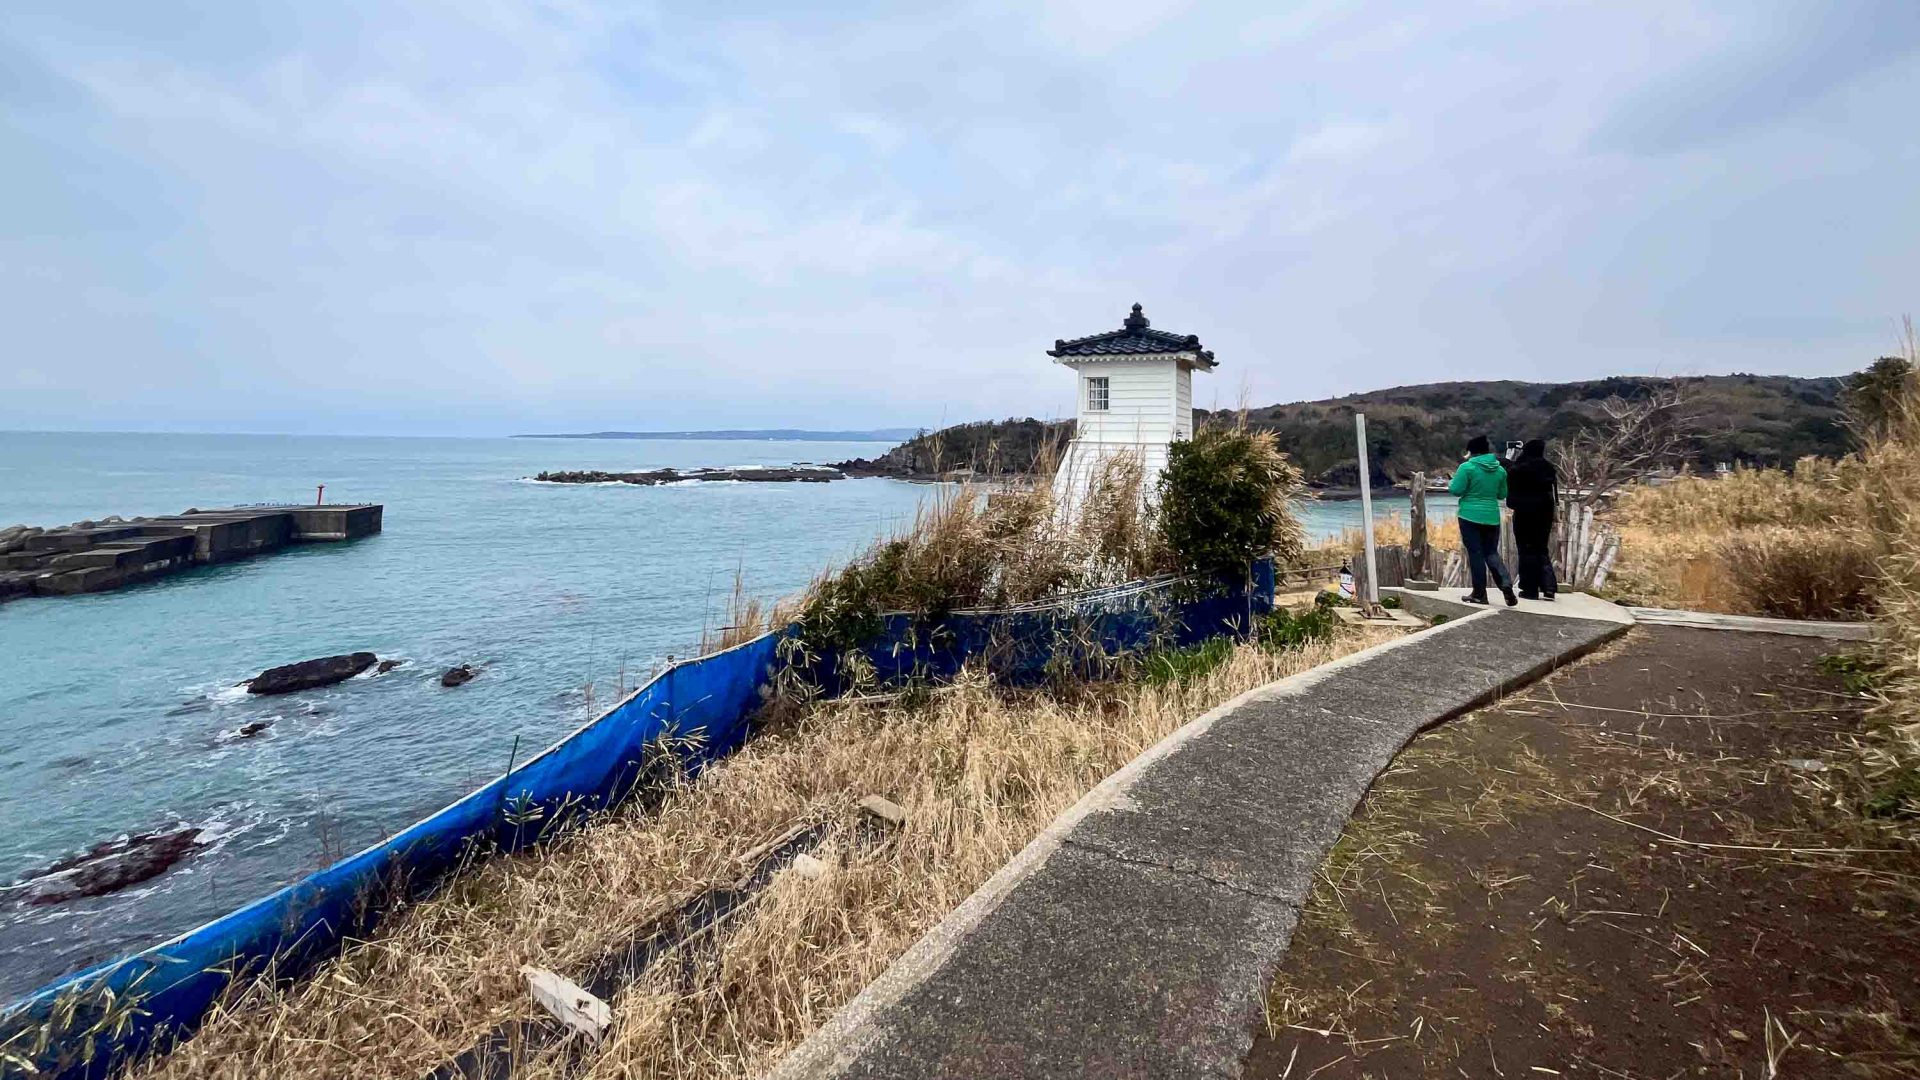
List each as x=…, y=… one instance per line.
x=86, y=1024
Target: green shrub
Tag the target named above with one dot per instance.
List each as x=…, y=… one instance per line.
x=1167, y=667
x=1224, y=502
x=1861, y=673
x=1283, y=629
x=1897, y=798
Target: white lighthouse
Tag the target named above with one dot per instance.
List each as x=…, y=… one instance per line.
x=1136, y=396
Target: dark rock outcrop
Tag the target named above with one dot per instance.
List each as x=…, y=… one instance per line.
x=459, y=675
x=107, y=867
x=307, y=674
x=250, y=729
x=386, y=666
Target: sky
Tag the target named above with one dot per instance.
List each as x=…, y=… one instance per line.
x=478, y=217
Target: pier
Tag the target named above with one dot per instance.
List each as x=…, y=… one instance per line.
x=94, y=557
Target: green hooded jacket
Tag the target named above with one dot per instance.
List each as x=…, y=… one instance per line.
x=1481, y=483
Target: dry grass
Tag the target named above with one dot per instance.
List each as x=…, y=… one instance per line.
x=1800, y=573
x=980, y=769
x=746, y=617
x=977, y=547
x=1891, y=494
x=1787, y=543
x=1815, y=492
x=1443, y=537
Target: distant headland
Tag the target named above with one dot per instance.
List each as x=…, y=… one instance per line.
x=894, y=434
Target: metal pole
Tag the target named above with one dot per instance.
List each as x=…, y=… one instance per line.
x=1366, y=512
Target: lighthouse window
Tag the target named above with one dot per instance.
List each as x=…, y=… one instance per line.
x=1097, y=395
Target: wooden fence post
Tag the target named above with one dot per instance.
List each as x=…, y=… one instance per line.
x=1369, y=597
x=1509, y=550
x=1392, y=564
x=1418, y=553
x=1562, y=556
x=1606, y=562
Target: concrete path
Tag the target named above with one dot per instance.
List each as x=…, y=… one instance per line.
x=1136, y=936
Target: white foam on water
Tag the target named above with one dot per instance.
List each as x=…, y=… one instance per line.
x=230, y=695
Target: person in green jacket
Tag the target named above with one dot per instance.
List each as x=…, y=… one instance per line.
x=1481, y=483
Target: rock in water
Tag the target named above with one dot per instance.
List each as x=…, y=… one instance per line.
x=387, y=665
x=458, y=676
x=308, y=674
x=249, y=730
x=107, y=867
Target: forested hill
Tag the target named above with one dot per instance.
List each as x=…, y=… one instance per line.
x=1754, y=419
x=1000, y=447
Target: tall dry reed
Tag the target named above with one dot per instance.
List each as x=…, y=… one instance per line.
x=1890, y=498
x=1782, y=542
x=973, y=546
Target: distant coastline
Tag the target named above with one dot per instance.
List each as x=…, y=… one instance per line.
x=746, y=434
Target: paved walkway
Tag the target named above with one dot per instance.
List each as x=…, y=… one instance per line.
x=1137, y=935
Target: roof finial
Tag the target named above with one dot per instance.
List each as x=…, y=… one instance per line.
x=1136, y=321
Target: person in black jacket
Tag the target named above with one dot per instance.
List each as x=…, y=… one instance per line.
x=1531, y=495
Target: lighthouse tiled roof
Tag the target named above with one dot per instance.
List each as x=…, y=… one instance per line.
x=1135, y=337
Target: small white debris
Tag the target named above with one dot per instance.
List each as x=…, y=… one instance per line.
x=809, y=867
x=568, y=1002
x=1804, y=764
x=888, y=811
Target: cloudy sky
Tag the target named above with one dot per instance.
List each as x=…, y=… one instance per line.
x=474, y=217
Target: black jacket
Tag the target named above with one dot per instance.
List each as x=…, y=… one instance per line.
x=1530, y=486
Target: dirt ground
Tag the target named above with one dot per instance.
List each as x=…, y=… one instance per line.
x=1641, y=867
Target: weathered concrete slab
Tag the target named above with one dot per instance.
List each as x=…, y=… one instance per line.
x=1393, y=618
x=91, y=558
x=1839, y=631
x=1567, y=605
x=1140, y=961
x=1136, y=936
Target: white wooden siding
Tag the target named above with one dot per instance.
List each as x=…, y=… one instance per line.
x=1140, y=408
x=1149, y=405
x=1182, y=403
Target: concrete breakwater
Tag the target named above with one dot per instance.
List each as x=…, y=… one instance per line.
x=95, y=556
x=756, y=474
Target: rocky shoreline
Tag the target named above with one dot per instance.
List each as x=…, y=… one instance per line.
x=800, y=474
x=851, y=469
x=107, y=867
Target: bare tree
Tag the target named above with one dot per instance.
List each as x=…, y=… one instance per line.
x=1637, y=436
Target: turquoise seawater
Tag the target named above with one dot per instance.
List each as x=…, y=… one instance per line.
x=116, y=709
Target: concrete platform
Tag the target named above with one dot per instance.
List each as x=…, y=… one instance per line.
x=1394, y=618
x=1136, y=936
x=92, y=558
x=1567, y=605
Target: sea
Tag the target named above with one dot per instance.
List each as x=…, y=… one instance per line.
x=118, y=710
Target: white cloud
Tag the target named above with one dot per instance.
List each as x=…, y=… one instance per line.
x=1342, y=140
x=490, y=209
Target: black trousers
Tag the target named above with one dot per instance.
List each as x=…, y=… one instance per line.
x=1532, y=530
x=1483, y=555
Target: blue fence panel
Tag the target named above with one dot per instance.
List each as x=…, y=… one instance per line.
x=702, y=706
